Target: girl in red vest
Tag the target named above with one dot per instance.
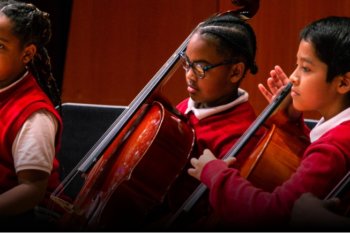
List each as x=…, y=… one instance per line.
x=30, y=126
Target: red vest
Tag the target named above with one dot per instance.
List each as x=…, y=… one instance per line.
x=16, y=105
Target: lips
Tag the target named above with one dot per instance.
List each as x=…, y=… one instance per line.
x=294, y=92
x=191, y=89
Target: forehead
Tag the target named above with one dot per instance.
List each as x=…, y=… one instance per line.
x=200, y=47
x=6, y=29
x=306, y=51
x=5, y=24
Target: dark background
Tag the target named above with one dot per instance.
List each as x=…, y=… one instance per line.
x=60, y=13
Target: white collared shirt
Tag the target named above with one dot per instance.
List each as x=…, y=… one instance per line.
x=14, y=83
x=323, y=126
x=34, y=145
x=202, y=113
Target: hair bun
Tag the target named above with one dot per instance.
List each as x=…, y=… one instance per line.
x=248, y=8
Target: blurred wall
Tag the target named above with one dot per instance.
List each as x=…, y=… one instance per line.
x=116, y=47
x=277, y=25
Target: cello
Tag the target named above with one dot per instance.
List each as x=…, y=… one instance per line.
x=342, y=191
x=122, y=175
x=269, y=164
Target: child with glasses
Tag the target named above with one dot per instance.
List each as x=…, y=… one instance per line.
x=320, y=82
x=217, y=58
x=30, y=125
x=219, y=54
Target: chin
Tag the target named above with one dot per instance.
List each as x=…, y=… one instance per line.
x=299, y=107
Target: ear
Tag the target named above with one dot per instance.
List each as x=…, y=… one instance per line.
x=344, y=83
x=28, y=53
x=237, y=72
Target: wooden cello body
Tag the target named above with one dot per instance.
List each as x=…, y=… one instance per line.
x=134, y=150
x=276, y=156
x=129, y=170
x=130, y=180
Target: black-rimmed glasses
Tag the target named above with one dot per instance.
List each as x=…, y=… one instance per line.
x=198, y=68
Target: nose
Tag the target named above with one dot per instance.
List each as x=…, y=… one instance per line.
x=190, y=75
x=294, y=77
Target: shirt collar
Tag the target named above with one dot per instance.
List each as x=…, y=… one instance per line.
x=323, y=126
x=13, y=84
x=202, y=113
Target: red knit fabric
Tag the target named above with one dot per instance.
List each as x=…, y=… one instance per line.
x=17, y=104
x=220, y=132
x=243, y=206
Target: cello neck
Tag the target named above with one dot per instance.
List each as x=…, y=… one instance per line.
x=264, y=115
x=247, y=9
x=142, y=98
x=239, y=145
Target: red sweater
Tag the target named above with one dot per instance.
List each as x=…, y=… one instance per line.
x=220, y=131
x=17, y=104
x=243, y=206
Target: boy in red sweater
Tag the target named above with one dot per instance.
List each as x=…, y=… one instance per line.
x=321, y=82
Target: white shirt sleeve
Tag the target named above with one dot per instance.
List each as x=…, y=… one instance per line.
x=34, y=145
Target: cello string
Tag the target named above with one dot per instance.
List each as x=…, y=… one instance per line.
x=97, y=149
x=104, y=141
x=340, y=187
x=90, y=158
x=258, y=122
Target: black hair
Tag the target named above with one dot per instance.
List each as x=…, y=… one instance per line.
x=330, y=38
x=33, y=26
x=235, y=38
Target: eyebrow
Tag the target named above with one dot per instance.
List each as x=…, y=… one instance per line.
x=305, y=59
x=196, y=61
x=199, y=61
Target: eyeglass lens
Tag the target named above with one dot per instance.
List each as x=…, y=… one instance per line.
x=197, y=68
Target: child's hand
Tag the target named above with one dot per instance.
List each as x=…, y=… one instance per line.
x=275, y=83
x=198, y=164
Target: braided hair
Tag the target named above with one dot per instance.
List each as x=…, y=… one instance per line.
x=33, y=26
x=234, y=37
